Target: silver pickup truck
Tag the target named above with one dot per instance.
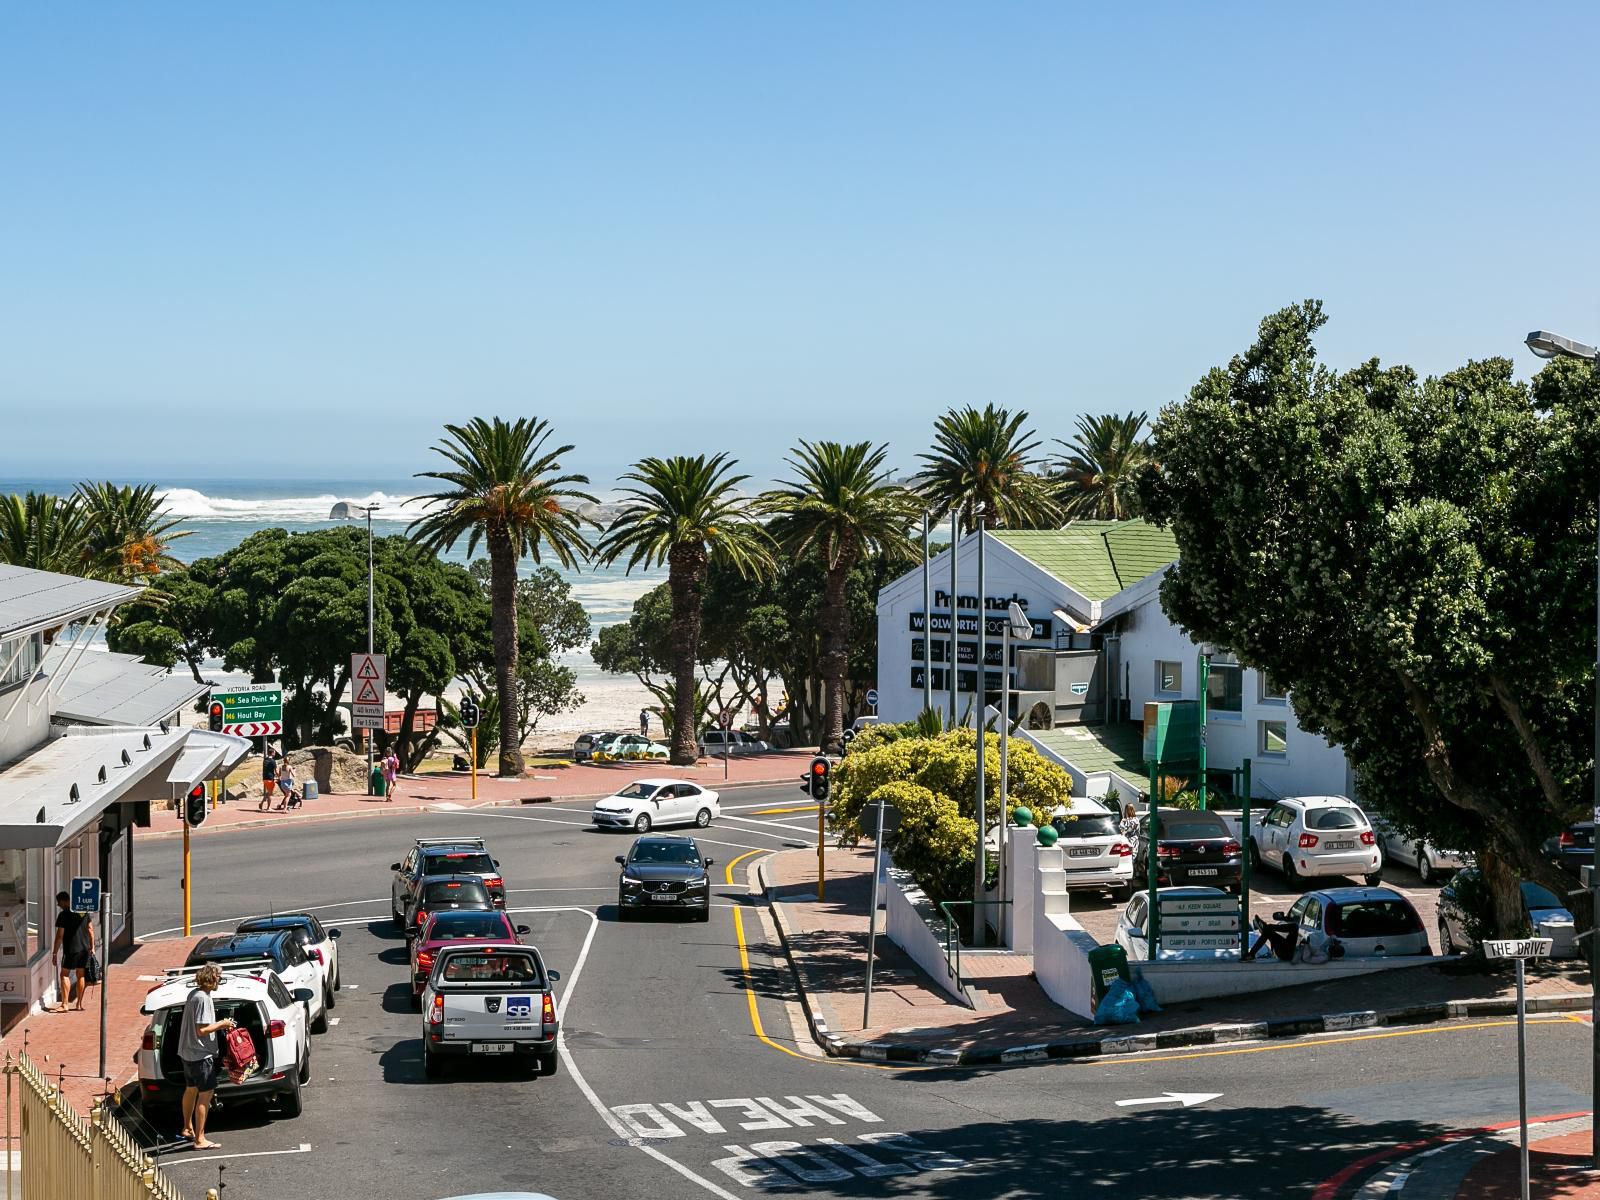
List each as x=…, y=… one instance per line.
x=490, y=1001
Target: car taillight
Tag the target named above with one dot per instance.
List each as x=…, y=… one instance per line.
x=1230, y=847
x=275, y=1028
x=149, y=1042
x=1567, y=839
x=493, y=881
x=425, y=960
x=549, y=1017
x=1122, y=850
x=436, y=1013
x=1167, y=852
x=315, y=954
x=1308, y=841
x=1367, y=839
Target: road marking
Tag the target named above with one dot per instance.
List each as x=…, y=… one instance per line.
x=808, y=830
x=154, y=933
x=336, y=1020
x=184, y=1160
x=1187, y=1099
x=778, y=812
x=588, y=825
x=1314, y=1042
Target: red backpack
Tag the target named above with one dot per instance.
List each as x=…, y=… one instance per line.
x=239, y=1054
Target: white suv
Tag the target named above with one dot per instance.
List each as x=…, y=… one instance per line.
x=1319, y=836
x=252, y=994
x=1094, y=852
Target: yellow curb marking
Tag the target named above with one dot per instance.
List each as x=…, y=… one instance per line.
x=773, y=812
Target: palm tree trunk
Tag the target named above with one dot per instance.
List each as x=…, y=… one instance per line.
x=835, y=657
x=503, y=616
x=686, y=572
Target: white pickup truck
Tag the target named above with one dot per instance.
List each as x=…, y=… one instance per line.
x=486, y=1001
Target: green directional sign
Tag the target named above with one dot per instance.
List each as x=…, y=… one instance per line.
x=253, y=704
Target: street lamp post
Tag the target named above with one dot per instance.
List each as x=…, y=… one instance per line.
x=1018, y=626
x=343, y=512
x=1552, y=345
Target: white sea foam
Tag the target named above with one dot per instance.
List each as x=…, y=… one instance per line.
x=191, y=505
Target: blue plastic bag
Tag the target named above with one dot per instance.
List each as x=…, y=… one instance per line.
x=1145, y=994
x=1119, y=1006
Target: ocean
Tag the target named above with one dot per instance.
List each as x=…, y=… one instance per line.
x=218, y=514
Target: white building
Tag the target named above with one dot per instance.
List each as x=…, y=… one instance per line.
x=1101, y=649
x=81, y=760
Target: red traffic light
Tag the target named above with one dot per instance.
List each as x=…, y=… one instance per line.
x=216, y=708
x=819, y=768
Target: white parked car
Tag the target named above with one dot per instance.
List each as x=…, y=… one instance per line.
x=251, y=994
x=1094, y=852
x=647, y=804
x=1430, y=861
x=320, y=943
x=1317, y=836
x=628, y=746
x=1369, y=922
x=1209, y=931
x=714, y=743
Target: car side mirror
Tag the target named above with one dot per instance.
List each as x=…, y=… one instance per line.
x=336, y=934
x=553, y=976
x=1278, y=916
x=394, y=866
x=622, y=860
x=710, y=862
x=495, y=863
x=303, y=995
x=523, y=929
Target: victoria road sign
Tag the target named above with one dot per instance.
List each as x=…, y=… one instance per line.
x=252, y=710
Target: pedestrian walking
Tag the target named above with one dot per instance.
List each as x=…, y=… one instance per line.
x=200, y=1054
x=644, y=722
x=286, y=793
x=269, y=778
x=74, y=946
x=391, y=774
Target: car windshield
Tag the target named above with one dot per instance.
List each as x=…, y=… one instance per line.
x=455, y=891
x=492, y=967
x=458, y=862
x=1537, y=896
x=639, y=791
x=1333, y=818
x=665, y=852
x=468, y=925
x=302, y=933
x=1179, y=829
x=1086, y=826
x=1372, y=918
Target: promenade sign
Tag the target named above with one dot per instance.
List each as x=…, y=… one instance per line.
x=252, y=709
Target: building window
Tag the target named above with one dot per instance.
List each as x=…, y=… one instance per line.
x=26, y=662
x=1169, y=677
x=1225, y=689
x=1273, y=738
x=1272, y=692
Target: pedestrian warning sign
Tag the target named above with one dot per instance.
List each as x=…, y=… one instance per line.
x=368, y=671
x=366, y=693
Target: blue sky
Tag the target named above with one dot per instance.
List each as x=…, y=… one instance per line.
x=290, y=241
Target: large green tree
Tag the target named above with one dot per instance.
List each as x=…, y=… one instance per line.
x=839, y=505
x=983, y=468
x=1098, y=476
x=45, y=533
x=505, y=488
x=1415, y=561
x=686, y=511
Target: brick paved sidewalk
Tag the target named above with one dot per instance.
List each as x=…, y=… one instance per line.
x=1558, y=1169
x=447, y=791
x=67, y=1045
x=827, y=944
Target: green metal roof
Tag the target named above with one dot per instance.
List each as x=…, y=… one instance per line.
x=1116, y=747
x=1096, y=558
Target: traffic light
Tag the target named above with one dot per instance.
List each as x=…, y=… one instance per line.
x=214, y=716
x=821, y=770
x=469, y=712
x=194, y=806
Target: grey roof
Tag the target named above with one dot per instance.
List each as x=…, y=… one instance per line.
x=117, y=689
x=31, y=601
x=36, y=805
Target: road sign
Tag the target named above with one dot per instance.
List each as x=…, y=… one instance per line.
x=872, y=698
x=1519, y=948
x=246, y=710
x=725, y=719
x=85, y=894
x=367, y=677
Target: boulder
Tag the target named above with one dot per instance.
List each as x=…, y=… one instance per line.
x=334, y=769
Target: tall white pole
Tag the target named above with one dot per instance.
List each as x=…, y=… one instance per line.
x=369, y=635
x=872, y=920
x=927, y=617
x=1004, y=824
x=1522, y=1075
x=981, y=867
x=950, y=654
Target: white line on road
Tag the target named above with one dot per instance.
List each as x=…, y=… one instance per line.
x=806, y=829
x=185, y=1160
x=702, y=840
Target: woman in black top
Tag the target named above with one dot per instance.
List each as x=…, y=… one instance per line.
x=73, y=947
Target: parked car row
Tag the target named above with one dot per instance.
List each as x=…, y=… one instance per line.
x=610, y=745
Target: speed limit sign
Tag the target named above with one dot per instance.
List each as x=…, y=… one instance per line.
x=726, y=719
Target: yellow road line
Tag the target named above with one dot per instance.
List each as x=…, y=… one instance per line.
x=773, y=812
x=1310, y=1042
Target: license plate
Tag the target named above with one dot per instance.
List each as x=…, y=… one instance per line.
x=493, y=1047
x=1203, y=871
x=665, y=899
x=1341, y=845
x=1081, y=852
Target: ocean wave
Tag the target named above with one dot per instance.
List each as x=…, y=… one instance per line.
x=191, y=505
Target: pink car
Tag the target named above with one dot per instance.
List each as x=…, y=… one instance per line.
x=457, y=927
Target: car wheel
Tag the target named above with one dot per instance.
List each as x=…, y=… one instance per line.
x=1291, y=877
x=416, y=1000
x=703, y=817
x=1424, y=865
x=338, y=979
x=641, y=823
x=305, y=1062
x=1373, y=880
x=431, y=1066
x=624, y=913
x=290, y=1101
x=549, y=1064
x=328, y=998
x=704, y=914
x=1447, y=944
x=1255, y=856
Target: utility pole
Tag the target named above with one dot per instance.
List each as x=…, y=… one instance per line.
x=927, y=617
x=980, y=870
x=950, y=654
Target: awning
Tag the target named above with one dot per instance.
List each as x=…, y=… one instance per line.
x=111, y=689
x=205, y=755
x=48, y=796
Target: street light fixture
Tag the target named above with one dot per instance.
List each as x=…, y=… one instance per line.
x=1552, y=345
x=345, y=511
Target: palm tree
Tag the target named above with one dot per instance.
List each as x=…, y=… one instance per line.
x=683, y=512
x=45, y=532
x=504, y=489
x=840, y=505
x=1098, y=475
x=980, y=470
x=129, y=531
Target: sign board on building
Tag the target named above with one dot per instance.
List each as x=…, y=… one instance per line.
x=251, y=710
x=368, y=676
x=85, y=892
x=1199, y=941
x=1519, y=948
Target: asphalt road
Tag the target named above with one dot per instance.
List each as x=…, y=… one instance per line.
x=667, y=1090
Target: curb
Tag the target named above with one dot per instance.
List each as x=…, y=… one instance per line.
x=837, y=1046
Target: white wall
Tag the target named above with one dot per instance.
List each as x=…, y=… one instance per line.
x=907, y=927
x=1060, y=945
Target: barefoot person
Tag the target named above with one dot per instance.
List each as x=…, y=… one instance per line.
x=197, y=1047
x=73, y=946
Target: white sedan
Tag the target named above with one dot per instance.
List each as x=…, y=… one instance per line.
x=1429, y=860
x=647, y=804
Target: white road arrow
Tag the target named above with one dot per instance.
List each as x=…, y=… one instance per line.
x=1187, y=1099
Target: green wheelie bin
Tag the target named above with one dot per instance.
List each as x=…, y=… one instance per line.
x=1107, y=963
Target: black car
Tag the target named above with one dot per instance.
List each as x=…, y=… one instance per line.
x=281, y=950
x=1573, y=847
x=664, y=872
x=443, y=856
x=443, y=893
x=1192, y=847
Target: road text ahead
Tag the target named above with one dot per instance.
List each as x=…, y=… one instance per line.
x=876, y=1154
